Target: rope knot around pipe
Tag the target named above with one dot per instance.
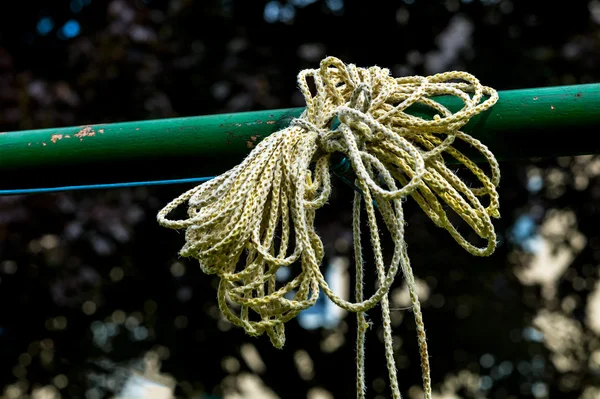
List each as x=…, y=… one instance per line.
x=257, y=218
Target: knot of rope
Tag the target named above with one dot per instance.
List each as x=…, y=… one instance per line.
x=257, y=218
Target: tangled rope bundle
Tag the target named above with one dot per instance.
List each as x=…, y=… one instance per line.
x=264, y=208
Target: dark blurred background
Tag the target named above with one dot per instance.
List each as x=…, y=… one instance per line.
x=90, y=284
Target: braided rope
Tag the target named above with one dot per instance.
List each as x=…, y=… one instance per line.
x=264, y=208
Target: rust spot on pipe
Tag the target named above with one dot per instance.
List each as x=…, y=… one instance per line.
x=271, y=122
x=235, y=125
x=85, y=132
x=101, y=131
x=552, y=107
x=535, y=98
x=250, y=143
x=55, y=137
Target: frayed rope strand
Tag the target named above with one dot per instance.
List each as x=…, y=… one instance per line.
x=264, y=209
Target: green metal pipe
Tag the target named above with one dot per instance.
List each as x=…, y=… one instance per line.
x=540, y=122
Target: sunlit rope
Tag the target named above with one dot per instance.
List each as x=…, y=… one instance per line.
x=264, y=209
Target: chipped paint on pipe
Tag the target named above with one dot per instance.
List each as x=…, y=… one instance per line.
x=203, y=135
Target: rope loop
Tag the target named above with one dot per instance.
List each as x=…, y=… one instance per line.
x=250, y=223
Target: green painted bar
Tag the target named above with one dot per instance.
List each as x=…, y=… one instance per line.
x=540, y=122
x=202, y=135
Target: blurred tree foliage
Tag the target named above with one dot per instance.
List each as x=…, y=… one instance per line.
x=89, y=282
